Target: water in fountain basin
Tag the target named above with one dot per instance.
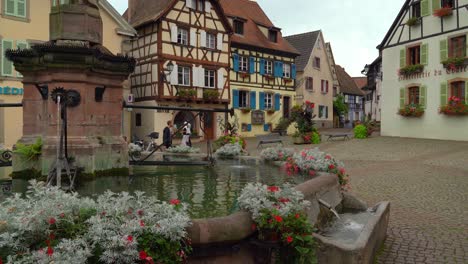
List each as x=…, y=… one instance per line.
x=348, y=228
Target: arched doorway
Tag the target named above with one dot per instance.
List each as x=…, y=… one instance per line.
x=183, y=117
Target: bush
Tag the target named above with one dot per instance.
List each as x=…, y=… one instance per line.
x=229, y=151
x=360, y=131
x=52, y=226
x=183, y=149
x=276, y=154
x=30, y=152
x=230, y=139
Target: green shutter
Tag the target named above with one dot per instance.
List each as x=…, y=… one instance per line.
x=443, y=94
x=435, y=5
x=443, y=50
x=7, y=65
x=424, y=54
x=425, y=8
x=402, y=97
x=402, y=58
x=466, y=91
x=466, y=42
x=21, y=8
x=423, y=96
x=21, y=45
x=10, y=7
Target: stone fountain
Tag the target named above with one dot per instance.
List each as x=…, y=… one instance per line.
x=74, y=59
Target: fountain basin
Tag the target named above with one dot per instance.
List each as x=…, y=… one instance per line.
x=346, y=246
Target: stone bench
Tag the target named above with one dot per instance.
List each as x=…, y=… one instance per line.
x=268, y=139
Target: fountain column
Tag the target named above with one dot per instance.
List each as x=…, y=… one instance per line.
x=74, y=59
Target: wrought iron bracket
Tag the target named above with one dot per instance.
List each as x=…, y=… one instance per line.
x=43, y=90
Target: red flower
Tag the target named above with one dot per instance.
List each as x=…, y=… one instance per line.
x=142, y=223
x=311, y=173
x=284, y=200
x=327, y=157
x=50, y=251
x=278, y=218
x=273, y=188
x=140, y=212
x=289, y=239
x=342, y=171
x=62, y=215
x=52, y=221
x=253, y=227
x=175, y=202
x=297, y=216
x=331, y=166
x=143, y=255
x=52, y=236
x=129, y=238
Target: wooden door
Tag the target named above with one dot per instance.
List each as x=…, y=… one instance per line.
x=209, y=125
x=286, y=106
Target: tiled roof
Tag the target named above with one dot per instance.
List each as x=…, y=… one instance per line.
x=305, y=44
x=347, y=84
x=254, y=16
x=361, y=82
x=146, y=11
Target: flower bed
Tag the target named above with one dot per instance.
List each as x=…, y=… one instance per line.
x=183, y=150
x=411, y=69
x=455, y=107
x=276, y=154
x=278, y=213
x=52, y=226
x=444, y=11
x=411, y=111
x=230, y=139
x=230, y=151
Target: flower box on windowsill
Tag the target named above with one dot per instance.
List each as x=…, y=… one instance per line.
x=455, y=63
x=288, y=80
x=244, y=75
x=269, y=77
x=210, y=95
x=411, y=111
x=413, y=21
x=270, y=111
x=246, y=110
x=444, y=11
x=455, y=107
x=411, y=69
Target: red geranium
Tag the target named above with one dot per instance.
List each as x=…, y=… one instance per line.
x=50, y=251
x=143, y=255
x=273, y=188
x=52, y=221
x=331, y=166
x=175, y=201
x=289, y=239
x=284, y=200
x=140, y=212
x=297, y=216
x=129, y=238
x=62, y=215
x=278, y=218
x=142, y=223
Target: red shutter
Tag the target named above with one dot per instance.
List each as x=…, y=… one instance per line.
x=327, y=86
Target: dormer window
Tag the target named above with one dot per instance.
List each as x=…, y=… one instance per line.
x=273, y=35
x=239, y=27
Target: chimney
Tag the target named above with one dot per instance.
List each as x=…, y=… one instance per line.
x=130, y=9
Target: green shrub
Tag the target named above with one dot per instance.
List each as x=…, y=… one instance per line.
x=316, y=138
x=360, y=131
x=30, y=152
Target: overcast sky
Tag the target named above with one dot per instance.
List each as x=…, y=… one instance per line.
x=354, y=27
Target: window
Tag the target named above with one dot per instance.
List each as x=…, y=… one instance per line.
x=16, y=8
x=211, y=41
x=201, y=5
x=316, y=62
x=457, y=47
x=413, y=95
x=182, y=36
x=416, y=9
x=183, y=75
x=286, y=70
x=243, y=64
x=335, y=91
x=269, y=67
x=7, y=65
x=447, y=3
x=210, y=78
x=321, y=108
x=457, y=89
x=309, y=83
x=273, y=35
x=413, y=57
x=238, y=27
x=268, y=101
x=243, y=99
x=324, y=87
x=138, y=120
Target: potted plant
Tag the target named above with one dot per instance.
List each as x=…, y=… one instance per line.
x=188, y=93
x=287, y=80
x=246, y=110
x=244, y=75
x=269, y=77
x=210, y=95
x=412, y=21
x=411, y=69
x=444, y=11
x=454, y=63
x=455, y=107
x=411, y=110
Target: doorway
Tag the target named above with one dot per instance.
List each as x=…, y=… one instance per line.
x=286, y=107
x=209, y=126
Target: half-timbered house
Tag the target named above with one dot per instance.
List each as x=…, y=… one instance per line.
x=353, y=97
x=263, y=68
x=424, y=57
x=182, y=53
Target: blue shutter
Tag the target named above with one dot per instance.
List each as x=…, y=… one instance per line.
x=275, y=69
x=235, y=64
x=277, y=101
x=249, y=127
x=262, y=101
x=262, y=66
x=252, y=65
x=280, y=69
x=235, y=99
x=266, y=127
x=293, y=71
x=253, y=100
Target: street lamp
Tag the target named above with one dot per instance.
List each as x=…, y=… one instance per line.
x=169, y=68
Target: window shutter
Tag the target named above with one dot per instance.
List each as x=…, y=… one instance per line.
x=235, y=99
x=188, y=3
x=21, y=45
x=10, y=7
x=207, y=6
x=466, y=42
x=262, y=101
x=424, y=54
x=277, y=101
x=280, y=69
x=7, y=65
x=425, y=8
x=266, y=127
x=249, y=127
x=327, y=86
x=443, y=50
x=443, y=94
x=197, y=81
x=174, y=33
x=293, y=71
x=402, y=58
x=346, y=99
x=235, y=62
x=435, y=5
x=262, y=66
x=466, y=89
x=203, y=39
x=193, y=37
x=402, y=98
x=423, y=96
x=219, y=41
x=252, y=65
x=253, y=100
x=326, y=112
x=174, y=73
x=220, y=79
x=21, y=8
x=275, y=69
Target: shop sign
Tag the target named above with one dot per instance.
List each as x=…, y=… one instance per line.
x=11, y=90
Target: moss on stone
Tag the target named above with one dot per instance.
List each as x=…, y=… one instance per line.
x=28, y=174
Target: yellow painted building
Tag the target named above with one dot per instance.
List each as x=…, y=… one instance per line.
x=263, y=69
x=26, y=22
